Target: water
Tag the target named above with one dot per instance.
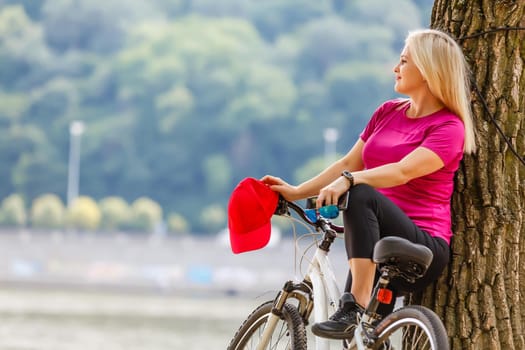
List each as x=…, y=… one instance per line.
x=57, y=319
x=65, y=291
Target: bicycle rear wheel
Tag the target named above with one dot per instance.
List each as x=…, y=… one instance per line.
x=289, y=334
x=412, y=327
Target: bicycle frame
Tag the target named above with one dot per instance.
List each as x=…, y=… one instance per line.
x=325, y=297
x=317, y=294
x=326, y=294
x=359, y=339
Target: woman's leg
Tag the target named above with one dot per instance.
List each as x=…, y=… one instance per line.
x=371, y=216
x=364, y=271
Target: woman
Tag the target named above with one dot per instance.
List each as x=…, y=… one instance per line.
x=400, y=173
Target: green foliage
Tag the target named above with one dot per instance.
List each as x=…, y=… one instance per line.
x=94, y=26
x=177, y=224
x=213, y=217
x=47, y=212
x=84, y=214
x=52, y=103
x=275, y=17
x=23, y=51
x=146, y=214
x=115, y=213
x=399, y=16
x=313, y=167
x=13, y=211
x=217, y=171
x=14, y=106
x=182, y=99
x=33, y=8
x=351, y=84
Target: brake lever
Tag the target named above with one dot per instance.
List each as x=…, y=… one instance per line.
x=282, y=207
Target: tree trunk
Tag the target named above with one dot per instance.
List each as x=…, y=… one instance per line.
x=479, y=297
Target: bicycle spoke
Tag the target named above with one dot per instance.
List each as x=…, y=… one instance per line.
x=415, y=338
x=412, y=328
x=279, y=336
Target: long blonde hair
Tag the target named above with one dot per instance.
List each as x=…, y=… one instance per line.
x=442, y=64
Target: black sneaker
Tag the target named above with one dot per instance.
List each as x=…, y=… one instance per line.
x=342, y=324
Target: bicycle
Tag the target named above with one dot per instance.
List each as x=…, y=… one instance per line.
x=281, y=323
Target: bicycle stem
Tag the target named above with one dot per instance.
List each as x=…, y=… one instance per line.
x=329, y=235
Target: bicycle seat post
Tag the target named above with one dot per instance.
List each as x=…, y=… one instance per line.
x=380, y=295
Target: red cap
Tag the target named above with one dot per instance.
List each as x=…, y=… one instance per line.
x=252, y=204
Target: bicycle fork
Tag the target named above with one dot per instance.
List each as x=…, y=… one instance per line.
x=298, y=291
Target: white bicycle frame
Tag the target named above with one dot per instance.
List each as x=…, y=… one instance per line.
x=326, y=295
x=326, y=292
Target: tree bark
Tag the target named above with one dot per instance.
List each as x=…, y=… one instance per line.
x=480, y=296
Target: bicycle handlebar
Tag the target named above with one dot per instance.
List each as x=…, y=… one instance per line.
x=323, y=223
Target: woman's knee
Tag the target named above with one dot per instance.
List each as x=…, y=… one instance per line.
x=360, y=194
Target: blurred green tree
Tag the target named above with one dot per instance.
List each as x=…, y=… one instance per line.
x=115, y=213
x=13, y=212
x=213, y=217
x=146, y=214
x=84, y=214
x=91, y=25
x=399, y=16
x=33, y=8
x=217, y=172
x=23, y=51
x=47, y=212
x=276, y=17
x=177, y=224
x=172, y=90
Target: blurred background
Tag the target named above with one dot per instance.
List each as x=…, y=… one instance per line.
x=124, y=127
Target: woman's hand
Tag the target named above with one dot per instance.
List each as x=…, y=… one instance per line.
x=276, y=184
x=331, y=193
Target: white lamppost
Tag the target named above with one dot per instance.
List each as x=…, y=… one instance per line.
x=330, y=138
x=76, y=129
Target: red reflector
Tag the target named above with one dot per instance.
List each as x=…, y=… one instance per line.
x=384, y=296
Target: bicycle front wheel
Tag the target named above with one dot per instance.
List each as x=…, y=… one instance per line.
x=289, y=333
x=412, y=327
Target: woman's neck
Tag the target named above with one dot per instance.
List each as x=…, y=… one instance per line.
x=421, y=106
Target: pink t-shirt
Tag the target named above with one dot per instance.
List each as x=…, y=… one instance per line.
x=390, y=135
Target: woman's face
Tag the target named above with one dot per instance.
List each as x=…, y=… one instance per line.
x=408, y=77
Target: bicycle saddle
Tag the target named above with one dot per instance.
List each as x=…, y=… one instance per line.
x=400, y=252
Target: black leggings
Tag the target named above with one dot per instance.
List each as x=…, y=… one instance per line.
x=371, y=216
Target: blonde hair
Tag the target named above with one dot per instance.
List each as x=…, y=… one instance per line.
x=442, y=64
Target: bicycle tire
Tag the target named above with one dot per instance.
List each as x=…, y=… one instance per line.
x=420, y=327
x=289, y=334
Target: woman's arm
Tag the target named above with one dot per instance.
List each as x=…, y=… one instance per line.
x=419, y=162
x=352, y=161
